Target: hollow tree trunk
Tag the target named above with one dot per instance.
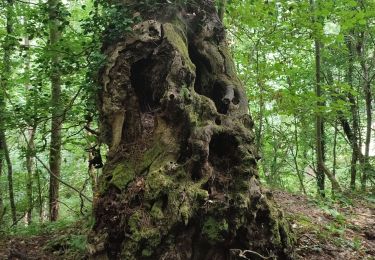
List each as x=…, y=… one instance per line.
x=181, y=179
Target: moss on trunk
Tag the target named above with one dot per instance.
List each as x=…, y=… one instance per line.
x=183, y=182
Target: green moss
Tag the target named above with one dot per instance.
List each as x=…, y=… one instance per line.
x=201, y=194
x=195, y=191
x=214, y=229
x=185, y=93
x=140, y=231
x=146, y=252
x=156, y=210
x=304, y=221
x=193, y=118
x=129, y=250
x=151, y=156
x=134, y=221
x=178, y=40
x=158, y=181
x=242, y=200
x=185, y=212
x=123, y=174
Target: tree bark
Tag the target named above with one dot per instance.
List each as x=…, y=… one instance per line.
x=42, y=212
x=354, y=111
x=10, y=177
x=295, y=157
x=334, y=154
x=181, y=181
x=335, y=184
x=92, y=171
x=30, y=163
x=31, y=131
x=2, y=208
x=368, y=104
x=57, y=110
x=260, y=85
x=319, y=124
x=221, y=10
x=4, y=84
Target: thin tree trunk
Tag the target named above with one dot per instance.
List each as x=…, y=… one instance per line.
x=260, y=85
x=4, y=81
x=331, y=175
x=57, y=110
x=92, y=172
x=335, y=184
x=334, y=155
x=295, y=157
x=31, y=131
x=5, y=154
x=10, y=179
x=222, y=6
x=30, y=163
x=368, y=105
x=319, y=125
x=40, y=197
x=2, y=209
x=354, y=111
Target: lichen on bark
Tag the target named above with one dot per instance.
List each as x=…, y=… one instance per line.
x=181, y=179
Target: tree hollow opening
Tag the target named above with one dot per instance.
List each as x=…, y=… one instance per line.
x=206, y=83
x=223, y=152
x=143, y=85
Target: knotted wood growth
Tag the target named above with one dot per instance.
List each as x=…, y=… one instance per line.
x=181, y=179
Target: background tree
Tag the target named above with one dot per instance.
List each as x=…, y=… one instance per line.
x=5, y=84
x=57, y=107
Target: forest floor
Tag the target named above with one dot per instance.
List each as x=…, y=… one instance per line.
x=336, y=230
x=344, y=229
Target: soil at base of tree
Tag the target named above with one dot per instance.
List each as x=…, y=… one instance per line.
x=341, y=231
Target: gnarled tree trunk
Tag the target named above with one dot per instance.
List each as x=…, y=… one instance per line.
x=180, y=181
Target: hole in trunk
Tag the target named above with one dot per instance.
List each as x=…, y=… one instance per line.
x=204, y=82
x=223, y=152
x=142, y=82
x=196, y=173
x=203, y=68
x=217, y=94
